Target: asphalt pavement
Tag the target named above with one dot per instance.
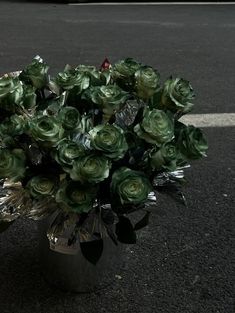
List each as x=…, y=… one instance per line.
x=182, y=262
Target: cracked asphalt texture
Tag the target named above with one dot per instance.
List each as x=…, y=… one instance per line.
x=182, y=262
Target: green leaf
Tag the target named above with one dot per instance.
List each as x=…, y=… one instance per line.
x=125, y=231
x=143, y=222
x=155, y=100
x=63, y=98
x=92, y=250
x=54, y=87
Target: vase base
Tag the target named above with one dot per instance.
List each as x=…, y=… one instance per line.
x=82, y=277
x=73, y=272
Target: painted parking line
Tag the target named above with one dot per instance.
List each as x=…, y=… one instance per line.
x=209, y=120
x=151, y=3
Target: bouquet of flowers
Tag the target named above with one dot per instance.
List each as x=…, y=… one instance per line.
x=92, y=146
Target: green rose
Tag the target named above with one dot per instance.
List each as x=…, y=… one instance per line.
x=36, y=73
x=73, y=196
x=123, y=72
x=130, y=187
x=177, y=95
x=88, y=75
x=147, y=82
x=109, y=139
x=156, y=127
x=164, y=157
x=66, y=152
x=68, y=80
x=46, y=130
x=12, y=164
x=13, y=126
x=11, y=92
x=110, y=99
x=125, y=68
x=91, y=169
x=69, y=117
x=7, y=141
x=191, y=142
x=81, y=77
x=41, y=185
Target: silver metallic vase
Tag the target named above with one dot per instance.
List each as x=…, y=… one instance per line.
x=72, y=272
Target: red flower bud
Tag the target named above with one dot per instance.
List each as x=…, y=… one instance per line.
x=105, y=65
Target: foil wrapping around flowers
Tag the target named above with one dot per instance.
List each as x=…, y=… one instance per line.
x=169, y=177
x=68, y=230
x=15, y=201
x=150, y=201
x=12, y=74
x=126, y=116
x=151, y=197
x=41, y=209
x=60, y=231
x=92, y=228
x=82, y=139
x=170, y=182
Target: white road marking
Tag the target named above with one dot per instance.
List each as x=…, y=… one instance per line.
x=151, y=3
x=209, y=120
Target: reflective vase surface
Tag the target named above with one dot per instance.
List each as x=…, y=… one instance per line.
x=73, y=272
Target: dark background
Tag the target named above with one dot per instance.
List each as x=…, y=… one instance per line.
x=182, y=262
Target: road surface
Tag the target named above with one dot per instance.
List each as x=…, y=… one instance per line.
x=182, y=262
